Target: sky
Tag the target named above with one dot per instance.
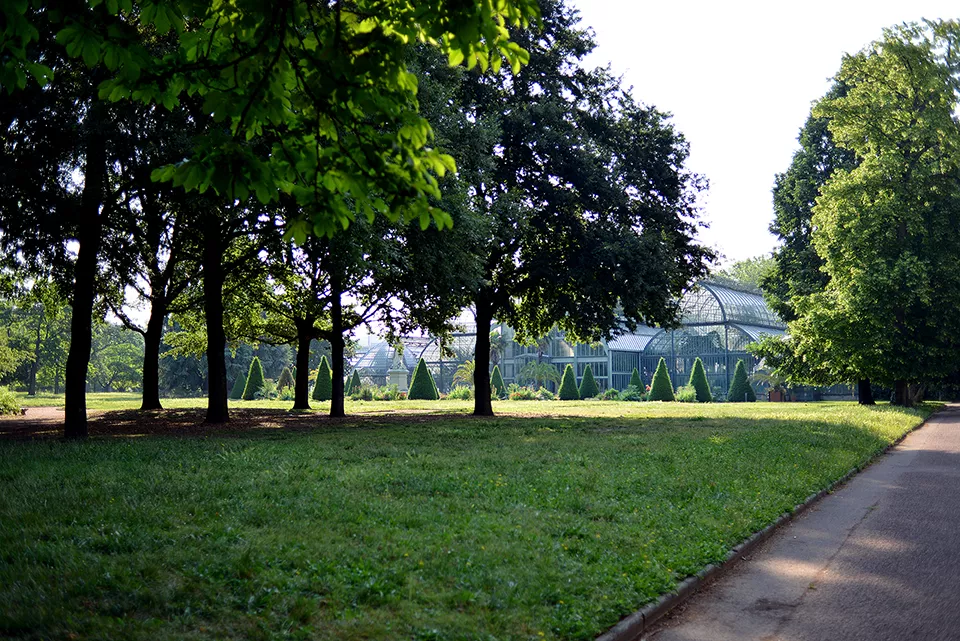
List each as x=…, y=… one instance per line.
x=739, y=79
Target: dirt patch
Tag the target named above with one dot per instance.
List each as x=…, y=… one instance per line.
x=47, y=423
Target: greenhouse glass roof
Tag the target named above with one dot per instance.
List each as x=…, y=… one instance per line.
x=712, y=304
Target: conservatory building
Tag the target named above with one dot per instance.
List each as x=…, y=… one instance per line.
x=717, y=324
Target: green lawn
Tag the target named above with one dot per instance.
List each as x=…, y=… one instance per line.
x=519, y=527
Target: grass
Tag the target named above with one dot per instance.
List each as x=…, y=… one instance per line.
x=519, y=527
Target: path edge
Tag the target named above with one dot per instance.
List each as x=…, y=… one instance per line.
x=633, y=626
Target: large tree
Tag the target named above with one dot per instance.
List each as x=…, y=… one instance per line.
x=886, y=229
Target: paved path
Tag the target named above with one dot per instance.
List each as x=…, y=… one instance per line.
x=877, y=560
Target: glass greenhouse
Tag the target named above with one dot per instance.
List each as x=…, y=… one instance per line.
x=718, y=322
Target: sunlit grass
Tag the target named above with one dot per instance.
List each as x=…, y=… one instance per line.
x=553, y=520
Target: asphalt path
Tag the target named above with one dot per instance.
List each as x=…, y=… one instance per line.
x=877, y=560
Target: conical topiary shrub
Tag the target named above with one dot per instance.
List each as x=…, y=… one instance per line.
x=588, y=385
x=353, y=383
x=698, y=381
x=422, y=386
x=236, y=392
x=496, y=383
x=740, y=388
x=661, y=389
x=568, y=385
x=285, y=380
x=254, y=380
x=635, y=380
x=323, y=389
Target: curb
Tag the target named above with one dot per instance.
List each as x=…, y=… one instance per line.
x=633, y=626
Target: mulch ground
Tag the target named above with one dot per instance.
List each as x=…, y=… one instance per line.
x=47, y=423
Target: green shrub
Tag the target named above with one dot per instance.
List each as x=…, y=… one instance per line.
x=323, y=388
x=686, y=394
x=522, y=394
x=588, y=385
x=8, y=402
x=422, y=387
x=568, y=385
x=635, y=380
x=363, y=393
x=543, y=394
x=254, y=380
x=610, y=395
x=497, y=386
x=269, y=390
x=633, y=394
x=460, y=393
x=353, y=383
x=287, y=394
x=740, y=388
x=662, y=387
x=236, y=393
x=285, y=380
x=699, y=382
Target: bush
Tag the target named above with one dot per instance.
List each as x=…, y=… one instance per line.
x=518, y=393
x=269, y=390
x=422, y=387
x=323, y=388
x=611, y=394
x=496, y=383
x=237, y=392
x=386, y=393
x=699, y=382
x=635, y=380
x=254, y=380
x=543, y=394
x=285, y=380
x=740, y=389
x=460, y=393
x=287, y=394
x=353, y=383
x=8, y=402
x=568, y=385
x=662, y=387
x=686, y=394
x=588, y=385
x=362, y=393
x=634, y=394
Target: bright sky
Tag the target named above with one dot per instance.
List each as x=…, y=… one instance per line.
x=739, y=78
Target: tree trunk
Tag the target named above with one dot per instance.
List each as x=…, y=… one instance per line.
x=900, y=394
x=336, y=349
x=865, y=392
x=301, y=388
x=35, y=366
x=85, y=275
x=482, y=406
x=213, y=278
x=151, y=357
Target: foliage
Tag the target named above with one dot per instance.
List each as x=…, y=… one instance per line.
x=686, y=394
x=285, y=380
x=460, y=393
x=745, y=274
x=353, y=382
x=661, y=389
x=568, y=386
x=496, y=383
x=543, y=394
x=634, y=394
x=464, y=373
x=374, y=393
x=538, y=373
x=236, y=393
x=323, y=388
x=699, y=382
x=474, y=476
x=740, y=388
x=9, y=403
x=635, y=380
x=518, y=393
x=422, y=385
x=255, y=382
x=610, y=394
x=588, y=384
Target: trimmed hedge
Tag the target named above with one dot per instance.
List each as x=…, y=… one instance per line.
x=496, y=382
x=254, y=380
x=740, y=388
x=285, y=380
x=353, y=383
x=698, y=381
x=236, y=392
x=568, y=385
x=423, y=387
x=323, y=389
x=635, y=380
x=588, y=385
x=661, y=389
